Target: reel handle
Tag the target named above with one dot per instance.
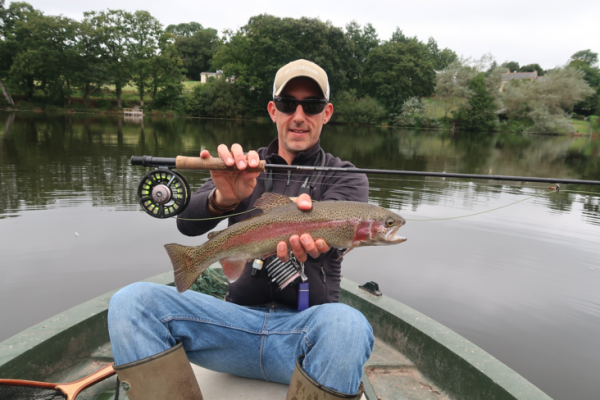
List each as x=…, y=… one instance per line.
x=214, y=164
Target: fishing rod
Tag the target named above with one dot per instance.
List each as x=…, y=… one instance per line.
x=164, y=193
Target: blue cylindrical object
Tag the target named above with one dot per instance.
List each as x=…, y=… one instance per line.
x=302, y=296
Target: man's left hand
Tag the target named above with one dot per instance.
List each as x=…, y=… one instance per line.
x=304, y=244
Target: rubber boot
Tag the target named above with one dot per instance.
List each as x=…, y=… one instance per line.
x=166, y=375
x=303, y=387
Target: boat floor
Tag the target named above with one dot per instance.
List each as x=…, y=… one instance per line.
x=391, y=376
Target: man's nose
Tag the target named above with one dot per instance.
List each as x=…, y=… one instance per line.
x=299, y=115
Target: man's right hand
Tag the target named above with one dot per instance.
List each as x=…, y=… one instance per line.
x=233, y=187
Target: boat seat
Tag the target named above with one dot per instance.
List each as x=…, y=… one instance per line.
x=218, y=386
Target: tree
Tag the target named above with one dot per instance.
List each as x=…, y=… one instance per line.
x=167, y=73
x=91, y=71
x=532, y=68
x=197, y=51
x=479, y=114
x=397, y=70
x=217, y=98
x=362, y=40
x=452, y=85
x=145, y=31
x=591, y=104
x=114, y=30
x=441, y=58
x=184, y=29
x=544, y=105
x=255, y=52
x=512, y=66
x=586, y=56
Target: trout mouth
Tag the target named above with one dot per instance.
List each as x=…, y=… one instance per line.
x=391, y=237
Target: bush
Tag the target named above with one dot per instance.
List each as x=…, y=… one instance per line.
x=479, y=114
x=412, y=113
x=348, y=108
x=218, y=99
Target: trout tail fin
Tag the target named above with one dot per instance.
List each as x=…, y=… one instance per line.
x=187, y=265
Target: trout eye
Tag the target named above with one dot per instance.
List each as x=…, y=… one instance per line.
x=389, y=222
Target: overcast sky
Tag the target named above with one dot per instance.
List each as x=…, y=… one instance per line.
x=545, y=32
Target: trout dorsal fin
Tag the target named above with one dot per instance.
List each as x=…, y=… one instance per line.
x=213, y=234
x=269, y=201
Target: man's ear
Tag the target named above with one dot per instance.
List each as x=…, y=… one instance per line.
x=272, y=109
x=328, y=113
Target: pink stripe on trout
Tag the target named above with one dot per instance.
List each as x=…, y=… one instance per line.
x=342, y=224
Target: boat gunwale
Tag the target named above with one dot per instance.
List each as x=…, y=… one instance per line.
x=405, y=329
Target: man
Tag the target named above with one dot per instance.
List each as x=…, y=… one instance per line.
x=257, y=332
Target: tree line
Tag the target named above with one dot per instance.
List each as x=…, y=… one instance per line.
x=57, y=60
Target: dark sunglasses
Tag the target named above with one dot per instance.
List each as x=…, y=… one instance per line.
x=287, y=105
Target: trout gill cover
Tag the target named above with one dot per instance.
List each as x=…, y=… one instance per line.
x=342, y=224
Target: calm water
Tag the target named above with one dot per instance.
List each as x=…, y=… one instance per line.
x=522, y=282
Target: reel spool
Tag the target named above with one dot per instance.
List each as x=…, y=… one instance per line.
x=163, y=193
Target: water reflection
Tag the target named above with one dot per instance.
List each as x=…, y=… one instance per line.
x=77, y=155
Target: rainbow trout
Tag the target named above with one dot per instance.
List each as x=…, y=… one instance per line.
x=342, y=224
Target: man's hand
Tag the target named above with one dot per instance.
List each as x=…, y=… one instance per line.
x=304, y=244
x=233, y=187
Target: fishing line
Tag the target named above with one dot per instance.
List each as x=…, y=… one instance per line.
x=457, y=182
x=416, y=220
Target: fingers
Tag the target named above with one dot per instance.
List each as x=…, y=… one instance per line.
x=322, y=246
x=253, y=158
x=225, y=155
x=282, y=251
x=204, y=154
x=236, y=156
x=239, y=156
x=298, y=249
x=304, y=202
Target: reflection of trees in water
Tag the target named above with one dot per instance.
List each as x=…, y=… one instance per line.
x=47, y=161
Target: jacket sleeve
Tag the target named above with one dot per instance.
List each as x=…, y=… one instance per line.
x=345, y=186
x=198, y=209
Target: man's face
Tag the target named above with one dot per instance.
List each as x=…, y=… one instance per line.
x=299, y=131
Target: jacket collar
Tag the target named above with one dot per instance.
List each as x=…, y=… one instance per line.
x=302, y=158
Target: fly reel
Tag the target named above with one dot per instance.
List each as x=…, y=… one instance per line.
x=163, y=193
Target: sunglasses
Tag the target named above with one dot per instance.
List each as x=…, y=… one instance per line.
x=287, y=105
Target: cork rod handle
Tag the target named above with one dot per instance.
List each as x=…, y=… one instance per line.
x=214, y=164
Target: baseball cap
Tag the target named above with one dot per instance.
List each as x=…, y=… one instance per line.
x=300, y=68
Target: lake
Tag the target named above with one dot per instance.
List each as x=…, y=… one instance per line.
x=522, y=281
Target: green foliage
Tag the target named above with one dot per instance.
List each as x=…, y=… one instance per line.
x=397, y=70
x=184, y=29
x=532, y=68
x=348, y=108
x=217, y=99
x=545, y=104
x=512, y=66
x=412, y=113
x=197, y=51
x=441, y=58
x=362, y=41
x=255, y=52
x=167, y=74
x=479, y=114
x=586, y=56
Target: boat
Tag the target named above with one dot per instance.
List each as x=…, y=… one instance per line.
x=414, y=356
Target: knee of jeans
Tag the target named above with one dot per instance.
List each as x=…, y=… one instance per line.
x=345, y=322
x=126, y=302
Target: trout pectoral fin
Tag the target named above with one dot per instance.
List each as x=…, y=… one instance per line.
x=233, y=268
x=354, y=245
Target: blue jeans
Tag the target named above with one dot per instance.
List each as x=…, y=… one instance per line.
x=260, y=343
